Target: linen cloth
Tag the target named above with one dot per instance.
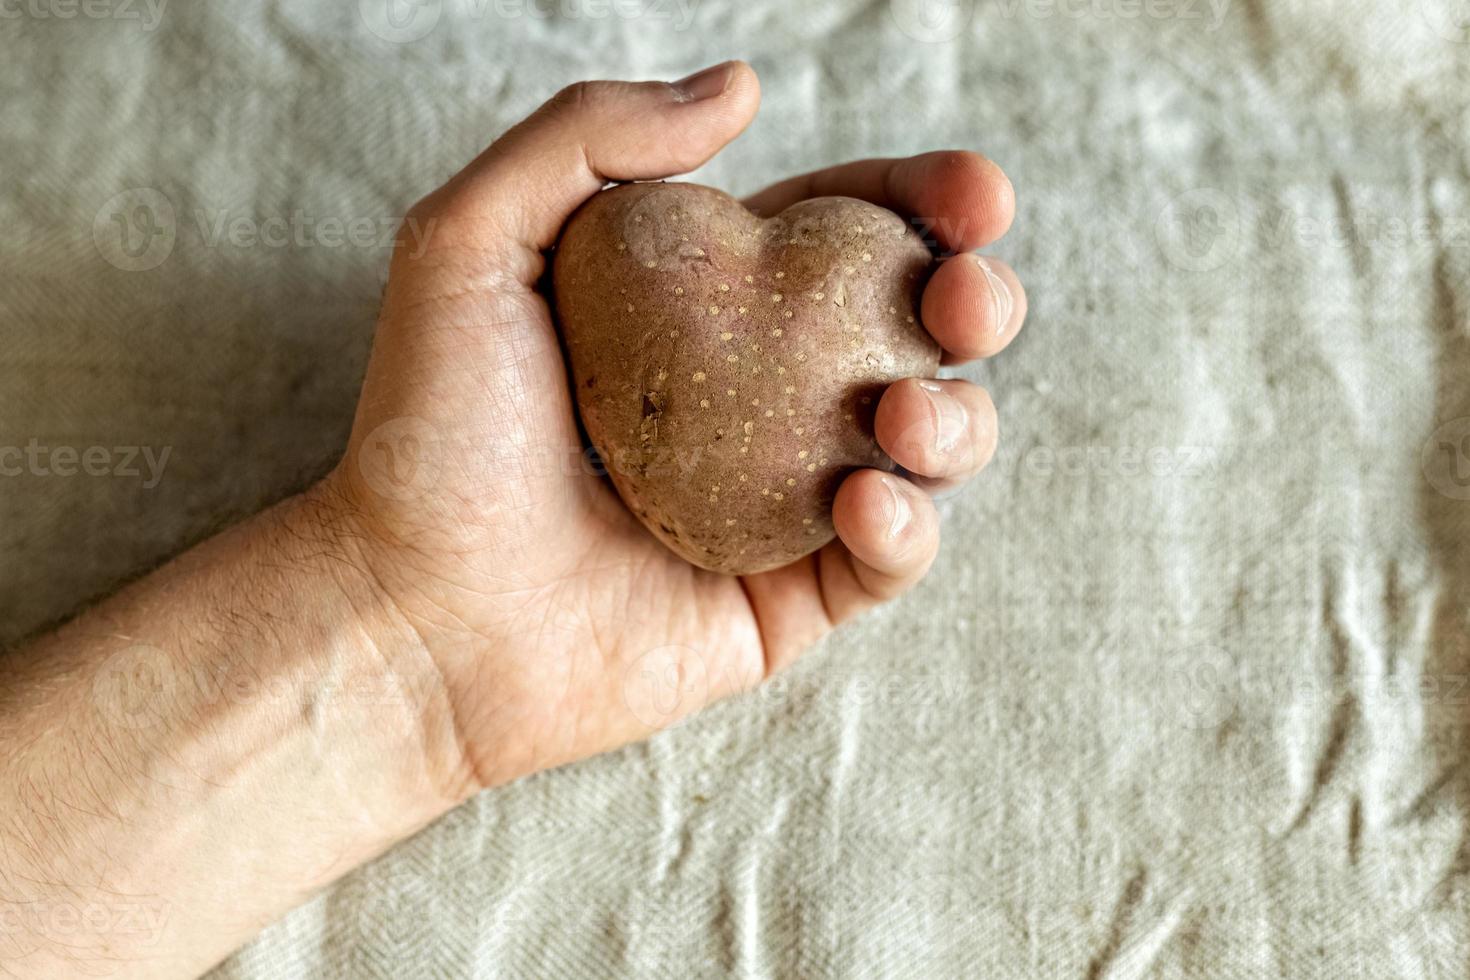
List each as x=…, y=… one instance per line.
x=1185, y=694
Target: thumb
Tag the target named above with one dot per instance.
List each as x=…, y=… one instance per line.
x=512, y=201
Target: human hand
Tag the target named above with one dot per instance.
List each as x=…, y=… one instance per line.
x=462, y=601
x=562, y=628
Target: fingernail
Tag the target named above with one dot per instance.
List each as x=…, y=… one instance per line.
x=896, y=508
x=704, y=84
x=1000, y=295
x=950, y=417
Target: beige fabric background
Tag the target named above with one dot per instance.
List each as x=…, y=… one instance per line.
x=1186, y=693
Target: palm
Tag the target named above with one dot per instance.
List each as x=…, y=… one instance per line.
x=522, y=539
x=561, y=627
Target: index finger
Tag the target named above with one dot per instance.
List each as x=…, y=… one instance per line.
x=960, y=198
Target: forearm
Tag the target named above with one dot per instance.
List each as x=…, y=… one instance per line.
x=187, y=761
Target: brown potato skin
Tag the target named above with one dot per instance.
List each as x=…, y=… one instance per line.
x=671, y=296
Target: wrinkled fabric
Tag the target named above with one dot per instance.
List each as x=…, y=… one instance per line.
x=1185, y=694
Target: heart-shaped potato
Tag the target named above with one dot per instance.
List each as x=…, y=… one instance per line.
x=728, y=367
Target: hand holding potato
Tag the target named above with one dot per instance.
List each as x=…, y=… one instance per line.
x=561, y=626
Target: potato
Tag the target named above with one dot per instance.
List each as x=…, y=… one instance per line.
x=728, y=367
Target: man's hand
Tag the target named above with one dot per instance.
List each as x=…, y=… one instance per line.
x=461, y=601
x=562, y=628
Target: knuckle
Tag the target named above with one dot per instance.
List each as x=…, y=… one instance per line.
x=587, y=98
x=570, y=99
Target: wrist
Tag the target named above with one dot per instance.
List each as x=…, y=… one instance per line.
x=471, y=628
x=397, y=689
